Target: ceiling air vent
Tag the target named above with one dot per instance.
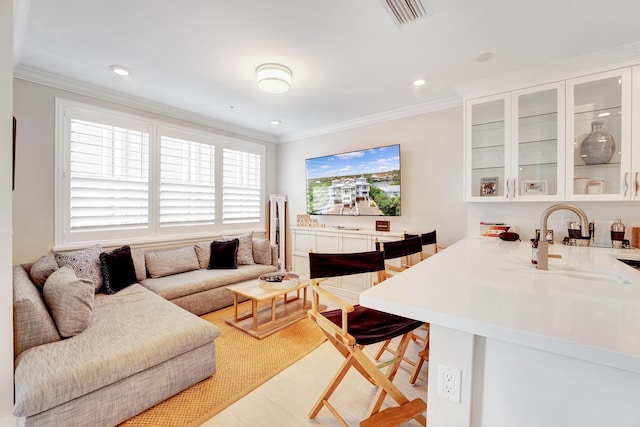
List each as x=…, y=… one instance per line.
x=405, y=11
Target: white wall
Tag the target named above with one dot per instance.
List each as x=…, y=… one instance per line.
x=34, y=193
x=431, y=162
x=6, y=147
x=526, y=217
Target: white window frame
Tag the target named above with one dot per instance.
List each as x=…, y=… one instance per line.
x=154, y=233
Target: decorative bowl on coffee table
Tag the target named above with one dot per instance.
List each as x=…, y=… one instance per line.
x=278, y=281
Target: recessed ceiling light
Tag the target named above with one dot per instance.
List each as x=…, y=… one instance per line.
x=419, y=82
x=275, y=122
x=604, y=114
x=484, y=57
x=119, y=70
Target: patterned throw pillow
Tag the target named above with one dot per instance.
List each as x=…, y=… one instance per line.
x=118, y=270
x=70, y=301
x=224, y=254
x=245, y=248
x=85, y=263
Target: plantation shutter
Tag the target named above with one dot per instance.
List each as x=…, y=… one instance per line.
x=241, y=186
x=109, y=177
x=187, y=190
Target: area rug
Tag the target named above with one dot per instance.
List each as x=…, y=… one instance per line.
x=243, y=363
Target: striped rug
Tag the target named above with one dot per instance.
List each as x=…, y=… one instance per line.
x=243, y=363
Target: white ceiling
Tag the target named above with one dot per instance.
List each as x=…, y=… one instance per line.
x=349, y=58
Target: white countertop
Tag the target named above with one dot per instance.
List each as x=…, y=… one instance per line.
x=490, y=288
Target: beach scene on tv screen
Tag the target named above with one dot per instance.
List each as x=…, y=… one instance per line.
x=364, y=182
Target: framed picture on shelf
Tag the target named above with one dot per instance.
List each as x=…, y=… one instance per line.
x=489, y=186
x=534, y=186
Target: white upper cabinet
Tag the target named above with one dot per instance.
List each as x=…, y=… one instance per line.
x=487, y=130
x=599, y=146
x=515, y=145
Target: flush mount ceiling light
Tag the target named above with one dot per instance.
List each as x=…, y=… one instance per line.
x=119, y=70
x=273, y=78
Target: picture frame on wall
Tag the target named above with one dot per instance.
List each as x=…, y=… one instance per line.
x=489, y=186
x=534, y=186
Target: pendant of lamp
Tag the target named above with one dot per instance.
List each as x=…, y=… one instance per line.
x=273, y=78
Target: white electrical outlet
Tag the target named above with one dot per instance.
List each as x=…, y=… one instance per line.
x=449, y=383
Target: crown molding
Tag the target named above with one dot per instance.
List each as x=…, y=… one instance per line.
x=568, y=68
x=399, y=113
x=87, y=89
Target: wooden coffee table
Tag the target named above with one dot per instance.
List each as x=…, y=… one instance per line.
x=282, y=309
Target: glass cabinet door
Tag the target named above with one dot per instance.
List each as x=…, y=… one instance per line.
x=599, y=136
x=538, y=138
x=487, y=131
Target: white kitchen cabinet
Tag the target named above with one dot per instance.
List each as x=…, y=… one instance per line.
x=324, y=240
x=602, y=101
x=515, y=145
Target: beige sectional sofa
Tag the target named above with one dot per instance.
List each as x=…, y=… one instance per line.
x=139, y=347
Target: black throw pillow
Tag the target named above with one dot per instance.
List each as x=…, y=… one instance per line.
x=224, y=254
x=118, y=270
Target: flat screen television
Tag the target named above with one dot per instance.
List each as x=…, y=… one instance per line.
x=363, y=182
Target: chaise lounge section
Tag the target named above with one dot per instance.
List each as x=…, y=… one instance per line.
x=141, y=345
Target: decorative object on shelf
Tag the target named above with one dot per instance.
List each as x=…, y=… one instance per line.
x=307, y=221
x=279, y=281
x=549, y=238
x=489, y=186
x=580, y=185
x=598, y=147
x=617, y=234
x=595, y=187
x=383, y=226
x=534, y=186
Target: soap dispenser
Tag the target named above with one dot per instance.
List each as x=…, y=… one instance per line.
x=617, y=234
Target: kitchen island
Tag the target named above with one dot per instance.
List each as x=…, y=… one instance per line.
x=535, y=348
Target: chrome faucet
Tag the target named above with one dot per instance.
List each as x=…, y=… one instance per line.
x=543, y=245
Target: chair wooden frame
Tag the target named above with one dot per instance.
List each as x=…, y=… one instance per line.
x=351, y=349
x=411, y=247
x=427, y=239
x=402, y=249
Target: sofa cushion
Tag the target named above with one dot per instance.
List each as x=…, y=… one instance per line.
x=193, y=282
x=171, y=261
x=85, y=263
x=203, y=252
x=118, y=270
x=130, y=332
x=224, y=254
x=245, y=248
x=32, y=324
x=137, y=255
x=262, y=251
x=42, y=269
x=70, y=300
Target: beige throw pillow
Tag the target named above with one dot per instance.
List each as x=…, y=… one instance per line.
x=203, y=252
x=42, y=269
x=262, y=251
x=172, y=261
x=70, y=301
x=137, y=255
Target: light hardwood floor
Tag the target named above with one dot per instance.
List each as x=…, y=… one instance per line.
x=286, y=399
